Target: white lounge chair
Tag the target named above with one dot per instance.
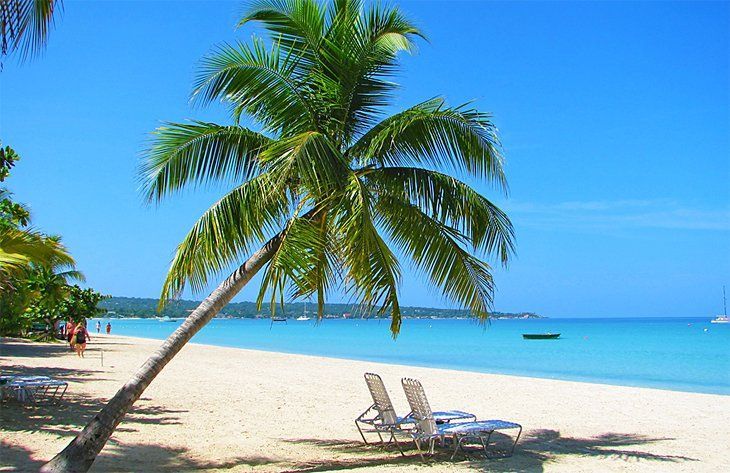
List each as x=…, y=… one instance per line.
x=381, y=417
x=428, y=430
x=32, y=388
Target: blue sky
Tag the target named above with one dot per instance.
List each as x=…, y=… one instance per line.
x=615, y=119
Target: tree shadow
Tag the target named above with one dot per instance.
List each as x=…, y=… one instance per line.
x=542, y=446
x=534, y=450
x=132, y=457
x=68, y=416
x=73, y=411
x=17, y=458
x=19, y=348
x=140, y=457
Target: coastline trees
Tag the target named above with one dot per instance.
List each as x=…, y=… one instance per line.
x=328, y=190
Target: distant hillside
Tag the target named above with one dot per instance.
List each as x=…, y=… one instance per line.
x=146, y=308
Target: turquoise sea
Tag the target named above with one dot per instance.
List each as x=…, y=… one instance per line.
x=685, y=354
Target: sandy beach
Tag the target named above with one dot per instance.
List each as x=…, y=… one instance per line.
x=224, y=409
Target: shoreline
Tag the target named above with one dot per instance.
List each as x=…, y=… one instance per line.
x=235, y=409
x=721, y=397
x=661, y=384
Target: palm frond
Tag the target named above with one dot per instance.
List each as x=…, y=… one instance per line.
x=224, y=233
x=432, y=134
x=365, y=52
x=370, y=267
x=450, y=201
x=321, y=273
x=25, y=25
x=316, y=162
x=300, y=241
x=72, y=275
x=21, y=248
x=260, y=83
x=437, y=251
x=297, y=25
x=184, y=154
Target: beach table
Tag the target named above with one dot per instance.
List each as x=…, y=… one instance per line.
x=32, y=388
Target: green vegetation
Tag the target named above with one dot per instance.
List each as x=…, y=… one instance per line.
x=146, y=308
x=25, y=24
x=35, y=271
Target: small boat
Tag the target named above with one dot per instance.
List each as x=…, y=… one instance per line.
x=540, y=336
x=303, y=318
x=278, y=319
x=165, y=319
x=722, y=319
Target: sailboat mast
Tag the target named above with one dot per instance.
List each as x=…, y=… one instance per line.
x=724, y=302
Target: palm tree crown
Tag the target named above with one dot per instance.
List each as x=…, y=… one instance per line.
x=338, y=186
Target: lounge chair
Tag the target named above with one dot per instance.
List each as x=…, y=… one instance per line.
x=428, y=431
x=32, y=388
x=385, y=420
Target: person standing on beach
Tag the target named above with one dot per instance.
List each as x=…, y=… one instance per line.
x=70, y=333
x=81, y=337
x=108, y=328
x=98, y=326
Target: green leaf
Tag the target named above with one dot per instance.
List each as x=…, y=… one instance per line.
x=224, y=233
x=451, y=202
x=437, y=250
x=431, y=134
x=184, y=154
x=263, y=84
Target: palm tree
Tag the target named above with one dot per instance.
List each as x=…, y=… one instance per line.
x=50, y=283
x=25, y=24
x=329, y=190
x=21, y=248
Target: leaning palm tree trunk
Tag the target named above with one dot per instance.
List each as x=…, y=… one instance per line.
x=79, y=455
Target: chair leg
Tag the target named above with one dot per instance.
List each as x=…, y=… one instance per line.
x=357, y=424
x=514, y=445
x=418, y=447
x=395, y=440
x=486, y=444
x=432, y=447
x=380, y=436
x=457, y=441
x=461, y=446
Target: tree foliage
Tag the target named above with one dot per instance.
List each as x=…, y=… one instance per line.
x=349, y=190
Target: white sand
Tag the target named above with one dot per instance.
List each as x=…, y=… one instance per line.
x=242, y=410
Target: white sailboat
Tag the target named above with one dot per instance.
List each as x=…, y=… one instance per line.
x=305, y=317
x=722, y=319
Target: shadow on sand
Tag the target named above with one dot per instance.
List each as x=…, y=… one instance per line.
x=534, y=450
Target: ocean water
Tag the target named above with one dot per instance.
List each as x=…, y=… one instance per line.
x=685, y=354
